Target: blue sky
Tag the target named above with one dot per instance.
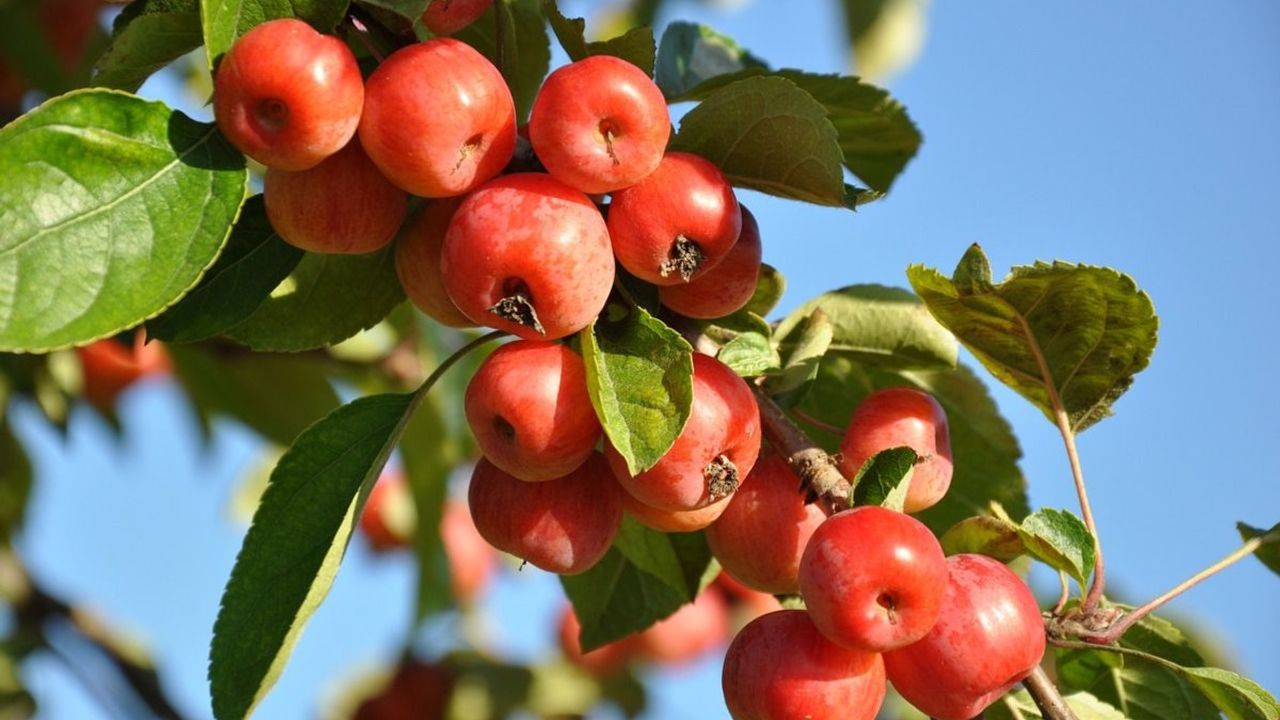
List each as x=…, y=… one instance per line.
x=1139, y=135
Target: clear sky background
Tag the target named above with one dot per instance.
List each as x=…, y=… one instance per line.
x=1139, y=135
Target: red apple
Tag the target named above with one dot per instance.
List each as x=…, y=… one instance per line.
x=873, y=579
x=287, y=96
x=716, y=449
x=389, y=517
x=902, y=417
x=748, y=604
x=694, y=629
x=438, y=119
x=563, y=526
x=418, y=259
x=725, y=288
x=677, y=223
x=446, y=17
x=989, y=637
x=109, y=367
x=673, y=521
x=781, y=668
x=417, y=691
x=530, y=255
x=528, y=408
x=762, y=534
x=603, y=662
x=343, y=205
x=599, y=124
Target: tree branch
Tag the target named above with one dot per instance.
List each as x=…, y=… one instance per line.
x=1046, y=696
x=810, y=463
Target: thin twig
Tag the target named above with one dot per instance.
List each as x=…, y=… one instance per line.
x=810, y=463
x=1046, y=696
x=808, y=419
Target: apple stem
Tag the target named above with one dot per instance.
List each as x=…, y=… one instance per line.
x=1063, y=596
x=815, y=468
x=808, y=419
x=1046, y=696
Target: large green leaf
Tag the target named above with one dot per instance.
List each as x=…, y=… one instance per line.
x=640, y=378
x=636, y=46
x=111, y=207
x=224, y=21
x=255, y=261
x=148, y=35
x=690, y=54
x=1057, y=538
x=1269, y=551
x=326, y=299
x=877, y=324
x=1076, y=332
x=767, y=134
x=749, y=354
x=1019, y=706
x=239, y=385
x=645, y=576
x=526, y=48
x=984, y=450
x=295, y=545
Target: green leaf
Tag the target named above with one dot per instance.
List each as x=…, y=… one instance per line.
x=410, y=10
x=690, y=54
x=292, y=551
x=770, y=285
x=750, y=354
x=1269, y=552
x=1019, y=706
x=645, y=577
x=1060, y=540
x=326, y=299
x=429, y=454
x=884, y=479
x=148, y=35
x=984, y=450
x=526, y=49
x=984, y=535
x=767, y=134
x=1239, y=698
x=239, y=385
x=224, y=21
x=91, y=239
x=1092, y=327
x=640, y=378
x=811, y=342
x=15, y=478
x=636, y=46
x=880, y=325
x=253, y=263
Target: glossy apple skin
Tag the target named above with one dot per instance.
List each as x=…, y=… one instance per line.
x=989, y=637
x=603, y=662
x=897, y=417
x=685, y=197
x=724, y=421
x=110, y=367
x=688, y=633
x=762, y=534
x=780, y=667
x=533, y=234
x=417, y=691
x=446, y=17
x=873, y=579
x=725, y=288
x=599, y=124
x=438, y=119
x=287, y=96
x=673, y=521
x=528, y=408
x=563, y=526
x=418, y=260
x=341, y=206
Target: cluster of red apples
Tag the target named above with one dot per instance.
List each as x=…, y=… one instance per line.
x=534, y=254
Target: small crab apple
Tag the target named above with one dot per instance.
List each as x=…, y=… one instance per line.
x=762, y=534
x=780, y=667
x=716, y=449
x=343, y=205
x=418, y=263
x=530, y=255
x=747, y=604
x=725, y=288
x=111, y=366
x=529, y=410
x=694, y=629
x=287, y=96
x=599, y=124
x=989, y=637
x=388, y=519
x=603, y=662
x=677, y=223
x=438, y=119
x=873, y=579
x=563, y=526
x=673, y=521
x=898, y=417
x=446, y=17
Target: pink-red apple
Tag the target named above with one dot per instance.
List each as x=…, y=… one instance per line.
x=902, y=417
x=725, y=288
x=418, y=259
